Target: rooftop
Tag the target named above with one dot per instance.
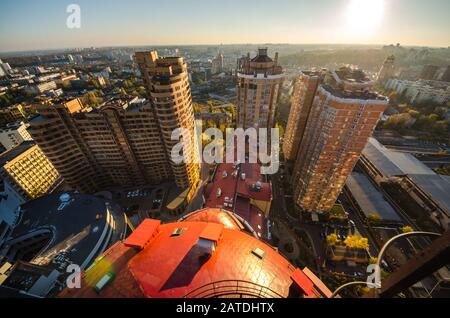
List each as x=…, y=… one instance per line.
x=9, y=155
x=393, y=163
x=369, y=199
x=193, y=259
x=436, y=186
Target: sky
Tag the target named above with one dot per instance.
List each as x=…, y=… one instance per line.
x=32, y=25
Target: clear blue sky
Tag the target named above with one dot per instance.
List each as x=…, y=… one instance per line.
x=32, y=24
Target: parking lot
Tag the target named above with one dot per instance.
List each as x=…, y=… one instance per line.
x=142, y=203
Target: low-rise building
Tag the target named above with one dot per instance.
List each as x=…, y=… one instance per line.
x=420, y=91
x=28, y=170
x=11, y=114
x=14, y=134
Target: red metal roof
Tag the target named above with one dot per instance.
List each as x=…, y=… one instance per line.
x=143, y=234
x=176, y=266
x=220, y=216
x=236, y=192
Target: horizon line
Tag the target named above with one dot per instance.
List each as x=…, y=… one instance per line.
x=212, y=44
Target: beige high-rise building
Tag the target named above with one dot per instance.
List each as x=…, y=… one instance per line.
x=115, y=144
x=304, y=92
x=167, y=83
x=28, y=170
x=259, y=82
x=217, y=64
x=343, y=116
x=387, y=71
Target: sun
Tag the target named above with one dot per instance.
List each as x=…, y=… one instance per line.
x=364, y=16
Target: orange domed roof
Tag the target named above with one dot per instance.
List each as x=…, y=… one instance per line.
x=220, y=216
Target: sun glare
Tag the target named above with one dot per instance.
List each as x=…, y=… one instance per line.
x=364, y=16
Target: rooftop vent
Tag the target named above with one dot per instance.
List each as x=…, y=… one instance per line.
x=258, y=252
x=104, y=281
x=178, y=231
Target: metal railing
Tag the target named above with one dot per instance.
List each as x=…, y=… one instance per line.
x=236, y=288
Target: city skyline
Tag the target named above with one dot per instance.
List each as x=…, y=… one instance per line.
x=40, y=26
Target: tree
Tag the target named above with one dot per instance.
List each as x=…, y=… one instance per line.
x=407, y=229
x=332, y=239
x=356, y=242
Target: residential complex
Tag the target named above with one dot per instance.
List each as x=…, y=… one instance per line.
x=302, y=99
x=387, y=71
x=116, y=144
x=420, y=91
x=342, y=117
x=167, y=84
x=258, y=81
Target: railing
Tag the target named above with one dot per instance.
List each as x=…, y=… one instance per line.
x=236, y=288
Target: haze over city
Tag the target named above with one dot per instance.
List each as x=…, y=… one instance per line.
x=31, y=25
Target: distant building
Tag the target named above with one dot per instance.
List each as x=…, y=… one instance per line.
x=387, y=71
x=420, y=91
x=446, y=75
x=11, y=114
x=13, y=135
x=41, y=87
x=28, y=170
x=258, y=88
x=429, y=72
x=217, y=64
x=343, y=116
x=207, y=254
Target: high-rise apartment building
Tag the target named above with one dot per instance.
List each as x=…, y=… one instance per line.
x=342, y=117
x=167, y=84
x=28, y=170
x=387, y=71
x=429, y=72
x=116, y=144
x=258, y=89
x=302, y=99
x=217, y=64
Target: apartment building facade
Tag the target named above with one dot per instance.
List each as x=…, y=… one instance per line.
x=302, y=99
x=259, y=82
x=116, y=144
x=167, y=84
x=343, y=116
